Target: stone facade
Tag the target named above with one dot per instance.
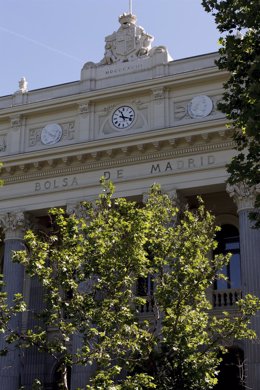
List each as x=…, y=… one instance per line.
x=56, y=143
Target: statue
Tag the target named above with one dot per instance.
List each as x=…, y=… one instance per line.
x=23, y=85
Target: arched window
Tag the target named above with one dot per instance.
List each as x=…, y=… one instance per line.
x=228, y=242
x=231, y=375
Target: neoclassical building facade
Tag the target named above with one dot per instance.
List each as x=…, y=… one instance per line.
x=137, y=117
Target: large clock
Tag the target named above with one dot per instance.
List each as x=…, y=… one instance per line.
x=123, y=117
x=51, y=134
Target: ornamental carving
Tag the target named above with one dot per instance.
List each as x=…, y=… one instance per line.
x=109, y=109
x=16, y=121
x=68, y=133
x=14, y=224
x=128, y=43
x=180, y=111
x=243, y=195
x=84, y=108
x=158, y=94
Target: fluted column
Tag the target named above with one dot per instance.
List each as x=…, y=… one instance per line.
x=244, y=198
x=80, y=374
x=14, y=226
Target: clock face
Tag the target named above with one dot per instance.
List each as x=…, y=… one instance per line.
x=51, y=134
x=123, y=117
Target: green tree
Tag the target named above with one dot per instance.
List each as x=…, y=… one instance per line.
x=89, y=266
x=239, y=21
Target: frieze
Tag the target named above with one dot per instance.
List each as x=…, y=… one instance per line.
x=68, y=133
x=118, y=162
x=122, y=173
x=56, y=184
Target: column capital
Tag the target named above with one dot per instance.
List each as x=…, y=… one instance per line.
x=14, y=224
x=243, y=195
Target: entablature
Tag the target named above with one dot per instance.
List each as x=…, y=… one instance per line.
x=155, y=145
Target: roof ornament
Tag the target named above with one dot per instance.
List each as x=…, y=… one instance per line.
x=128, y=43
x=23, y=86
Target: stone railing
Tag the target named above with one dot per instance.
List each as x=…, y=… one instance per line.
x=225, y=298
x=148, y=307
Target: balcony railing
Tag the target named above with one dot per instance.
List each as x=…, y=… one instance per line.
x=226, y=298
x=147, y=307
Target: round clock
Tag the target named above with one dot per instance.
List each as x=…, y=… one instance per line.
x=51, y=134
x=200, y=106
x=123, y=117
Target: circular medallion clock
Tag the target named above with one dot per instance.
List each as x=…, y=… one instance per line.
x=51, y=134
x=200, y=106
x=123, y=117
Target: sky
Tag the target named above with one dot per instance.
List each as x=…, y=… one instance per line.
x=48, y=41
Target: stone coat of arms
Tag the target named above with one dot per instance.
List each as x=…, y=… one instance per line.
x=128, y=43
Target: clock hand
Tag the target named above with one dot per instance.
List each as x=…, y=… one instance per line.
x=122, y=115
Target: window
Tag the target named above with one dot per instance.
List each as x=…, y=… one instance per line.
x=228, y=242
x=145, y=289
x=145, y=286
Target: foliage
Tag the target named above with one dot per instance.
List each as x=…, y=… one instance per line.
x=239, y=20
x=89, y=267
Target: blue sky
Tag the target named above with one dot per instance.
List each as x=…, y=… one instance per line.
x=48, y=41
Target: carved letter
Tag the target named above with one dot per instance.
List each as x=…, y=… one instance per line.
x=74, y=182
x=120, y=173
x=65, y=182
x=55, y=185
x=47, y=185
x=191, y=163
x=180, y=164
x=107, y=175
x=211, y=160
x=37, y=187
x=168, y=167
x=155, y=168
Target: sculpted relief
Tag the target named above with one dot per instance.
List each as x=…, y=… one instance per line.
x=51, y=134
x=129, y=42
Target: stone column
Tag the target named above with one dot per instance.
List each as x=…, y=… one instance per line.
x=80, y=374
x=244, y=198
x=14, y=226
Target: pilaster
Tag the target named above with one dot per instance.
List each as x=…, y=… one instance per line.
x=14, y=225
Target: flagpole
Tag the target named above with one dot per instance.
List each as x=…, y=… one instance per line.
x=130, y=7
